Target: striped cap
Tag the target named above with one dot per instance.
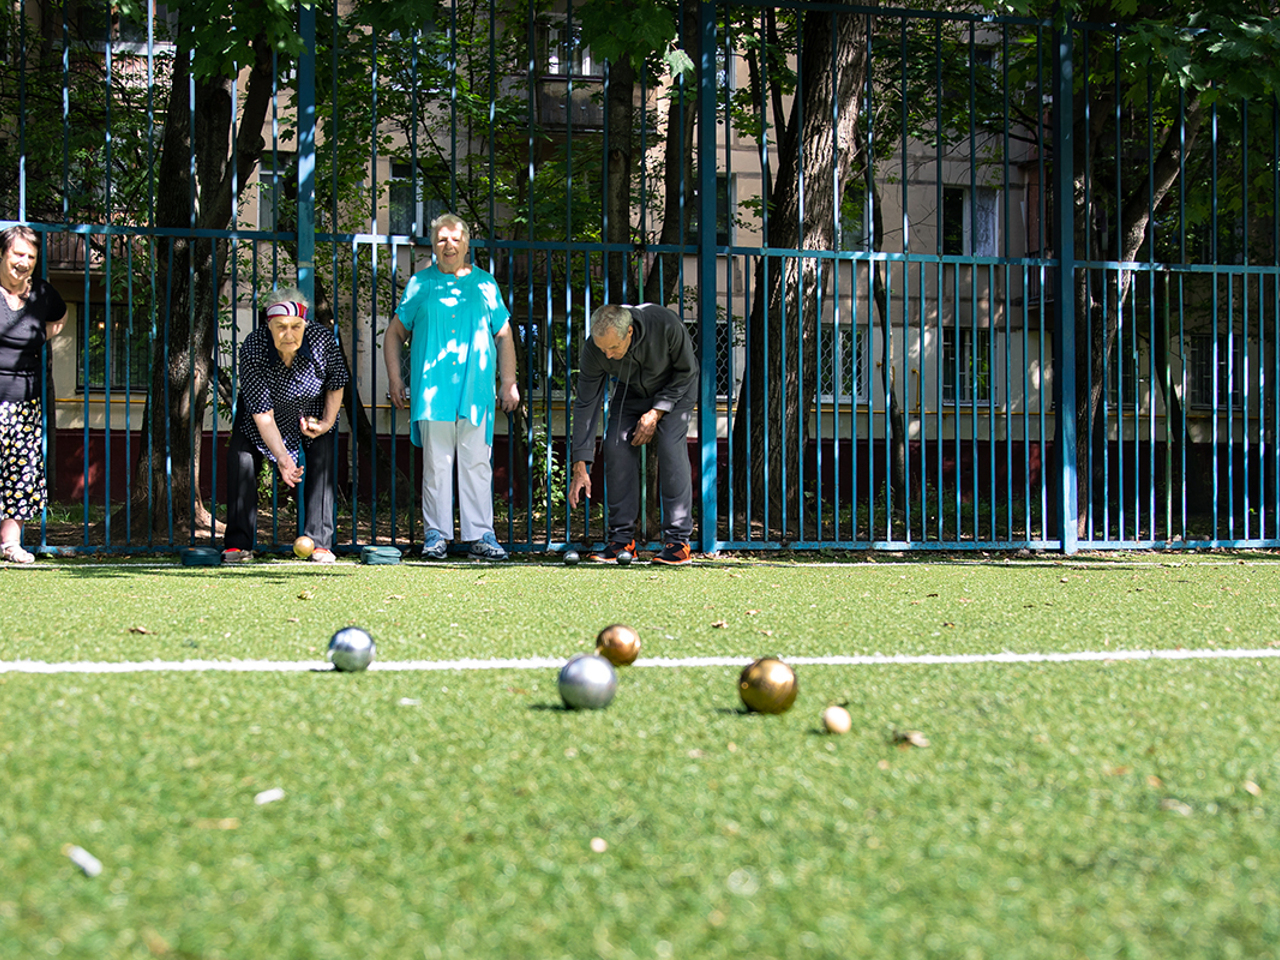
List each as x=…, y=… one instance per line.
x=287, y=308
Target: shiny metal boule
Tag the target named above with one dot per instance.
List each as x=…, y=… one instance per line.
x=351, y=649
x=587, y=682
x=624, y=558
x=303, y=547
x=570, y=558
x=768, y=685
x=619, y=644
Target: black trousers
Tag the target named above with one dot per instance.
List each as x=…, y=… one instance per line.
x=622, y=471
x=244, y=462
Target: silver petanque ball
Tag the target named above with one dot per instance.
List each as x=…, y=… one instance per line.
x=351, y=649
x=570, y=558
x=624, y=558
x=587, y=682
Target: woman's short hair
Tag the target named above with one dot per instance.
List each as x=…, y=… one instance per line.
x=610, y=316
x=19, y=231
x=450, y=220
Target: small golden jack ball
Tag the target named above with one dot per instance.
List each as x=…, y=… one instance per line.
x=619, y=644
x=303, y=547
x=836, y=719
x=768, y=685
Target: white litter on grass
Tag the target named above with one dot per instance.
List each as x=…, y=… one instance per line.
x=269, y=796
x=555, y=663
x=83, y=859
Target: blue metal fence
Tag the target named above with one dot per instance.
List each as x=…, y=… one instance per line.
x=957, y=281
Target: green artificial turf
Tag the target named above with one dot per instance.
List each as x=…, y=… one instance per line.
x=1082, y=809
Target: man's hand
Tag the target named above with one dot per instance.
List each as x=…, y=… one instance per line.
x=645, y=428
x=579, y=483
x=290, y=472
x=508, y=396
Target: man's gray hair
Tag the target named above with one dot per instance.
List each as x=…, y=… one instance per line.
x=450, y=220
x=611, y=316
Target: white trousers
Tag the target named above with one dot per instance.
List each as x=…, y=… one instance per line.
x=445, y=444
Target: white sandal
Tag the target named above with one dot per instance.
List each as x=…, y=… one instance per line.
x=14, y=553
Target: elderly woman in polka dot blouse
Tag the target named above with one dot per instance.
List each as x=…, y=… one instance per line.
x=292, y=374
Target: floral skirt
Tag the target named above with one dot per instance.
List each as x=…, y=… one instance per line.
x=22, y=485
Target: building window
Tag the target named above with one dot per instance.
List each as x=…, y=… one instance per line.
x=855, y=229
x=724, y=208
x=966, y=366
x=560, y=50
x=843, y=360
x=1217, y=364
x=274, y=173
x=970, y=220
x=130, y=354
x=402, y=205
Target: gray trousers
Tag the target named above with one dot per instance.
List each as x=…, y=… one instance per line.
x=622, y=471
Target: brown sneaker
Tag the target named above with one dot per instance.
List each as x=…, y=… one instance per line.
x=674, y=555
x=610, y=553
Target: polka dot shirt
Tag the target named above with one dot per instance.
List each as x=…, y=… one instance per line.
x=291, y=392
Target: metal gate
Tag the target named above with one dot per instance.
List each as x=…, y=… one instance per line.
x=957, y=281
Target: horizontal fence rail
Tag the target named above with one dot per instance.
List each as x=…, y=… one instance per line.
x=956, y=281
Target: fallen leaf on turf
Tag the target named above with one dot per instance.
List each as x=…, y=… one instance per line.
x=157, y=944
x=1252, y=787
x=883, y=764
x=766, y=633
x=218, y=823
x=720, y=623
x=139, y=630
x=292, y=620
x=752, y=613
x=269, y=796
x=1116, y=771
x=1154, y=781
x=396, y=596
x=947, y=623
x=1175, y=806
x=910, y=738
x=305, y=595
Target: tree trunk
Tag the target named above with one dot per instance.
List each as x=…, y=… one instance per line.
x=678, y=153
x=166, y=499
x=1097, y=303
x=619, y=119
x=781, y=374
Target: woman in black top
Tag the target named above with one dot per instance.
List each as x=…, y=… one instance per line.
x=292, y=375
x=31, y=312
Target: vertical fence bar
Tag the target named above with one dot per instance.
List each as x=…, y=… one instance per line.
x=1064, y=379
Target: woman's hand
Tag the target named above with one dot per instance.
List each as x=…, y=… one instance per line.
x=313, y=427
x=290, y=472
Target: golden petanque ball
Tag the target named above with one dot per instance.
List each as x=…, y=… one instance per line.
x=619, y=644
x=768, y=685
x=303, y=547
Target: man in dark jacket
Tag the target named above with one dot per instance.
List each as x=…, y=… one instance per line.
x=647, y=350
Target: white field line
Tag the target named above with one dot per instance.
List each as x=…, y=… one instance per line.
x=550, y=663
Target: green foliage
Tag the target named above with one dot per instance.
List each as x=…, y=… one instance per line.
x=630, y=30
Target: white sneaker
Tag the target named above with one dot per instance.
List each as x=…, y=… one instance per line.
x=321, y=555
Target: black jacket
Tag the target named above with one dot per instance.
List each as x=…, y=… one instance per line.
x=660, y=367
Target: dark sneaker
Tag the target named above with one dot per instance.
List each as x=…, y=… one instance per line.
x=236, y=555
x=610, y=553
x=674, y=554
x=434, y=545
x=487, y=548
